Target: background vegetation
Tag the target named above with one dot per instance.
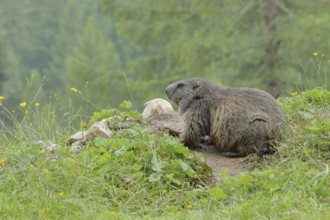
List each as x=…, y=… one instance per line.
x=113, y=50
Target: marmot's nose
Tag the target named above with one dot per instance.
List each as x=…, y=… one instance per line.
x=169, y=91
x=166, y=91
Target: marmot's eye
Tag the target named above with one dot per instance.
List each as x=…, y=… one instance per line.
x=180, y=85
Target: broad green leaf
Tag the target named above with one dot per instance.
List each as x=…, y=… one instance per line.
x=154, y=177
x=187, y=169
x=157, y=165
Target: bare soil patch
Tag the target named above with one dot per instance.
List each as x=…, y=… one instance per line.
x=217, y=162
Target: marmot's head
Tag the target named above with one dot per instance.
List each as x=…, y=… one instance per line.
x=183, y=90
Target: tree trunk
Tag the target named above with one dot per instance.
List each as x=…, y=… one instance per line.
x=270, y=12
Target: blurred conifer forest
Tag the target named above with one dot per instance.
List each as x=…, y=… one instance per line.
x=115, y=50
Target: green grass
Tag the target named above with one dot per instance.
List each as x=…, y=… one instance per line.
x=138, y=174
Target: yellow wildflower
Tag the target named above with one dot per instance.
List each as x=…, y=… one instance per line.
x=2, y=161
x=189, y=206
x=26, y=112
x=315, y=53
x=294, y=93
x=42, y=150
x=46, y=170
x=83, y=124
x=74, y=89
x=113, y=213
x=61, y=194
x=1, y=97
x=22, y=104
x=37, y=104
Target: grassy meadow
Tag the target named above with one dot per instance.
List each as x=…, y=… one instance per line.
x=139, y=174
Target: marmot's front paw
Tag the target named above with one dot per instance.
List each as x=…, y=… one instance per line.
x=266, y=148
x=207, y=140
x=190, y=145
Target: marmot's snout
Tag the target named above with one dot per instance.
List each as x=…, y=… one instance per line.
x=166, y=91
x=169, y=91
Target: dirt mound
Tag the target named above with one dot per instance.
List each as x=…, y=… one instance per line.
x=172, y=122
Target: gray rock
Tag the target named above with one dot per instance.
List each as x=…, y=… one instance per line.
x=171, y=122
x=156, y=107
x=98, y=129
x=47, y=145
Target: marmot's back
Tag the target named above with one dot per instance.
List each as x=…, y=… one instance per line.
x=254, y=100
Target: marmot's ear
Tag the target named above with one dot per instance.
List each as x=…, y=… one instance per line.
x=196, y=85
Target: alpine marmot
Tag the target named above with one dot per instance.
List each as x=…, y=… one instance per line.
x=238, y=120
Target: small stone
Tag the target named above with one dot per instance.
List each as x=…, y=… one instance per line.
x=47, y=145
x=98, y=129
x=155, y=107
x=77, y=146
x=76, y=137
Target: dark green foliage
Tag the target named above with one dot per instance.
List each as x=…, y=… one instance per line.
x=113, y=50
x=159, y=156
x=157, y=160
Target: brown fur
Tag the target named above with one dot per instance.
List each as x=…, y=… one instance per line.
x=239, y=120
